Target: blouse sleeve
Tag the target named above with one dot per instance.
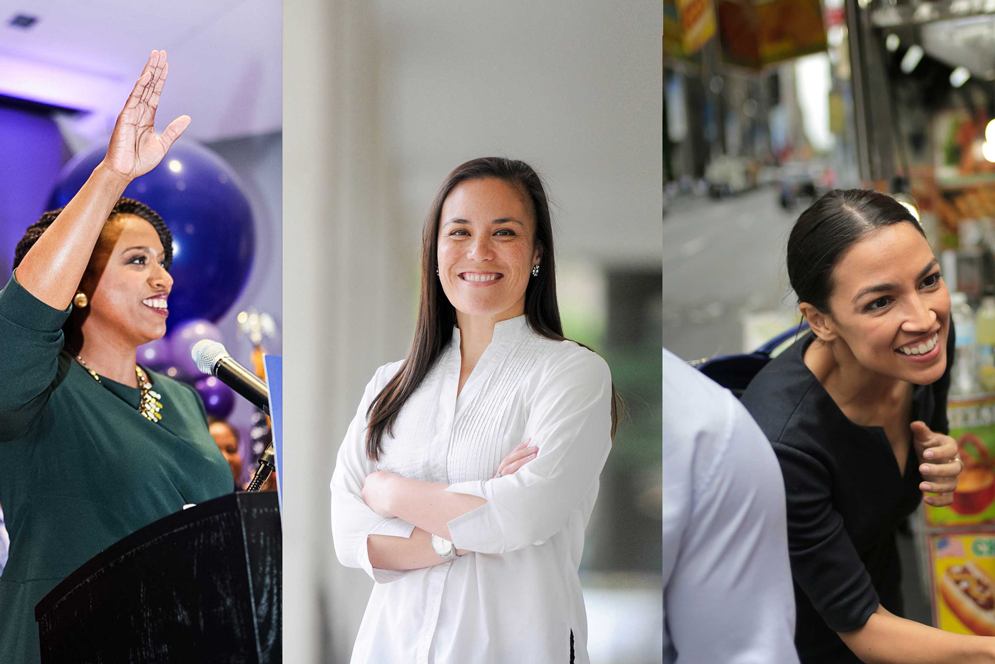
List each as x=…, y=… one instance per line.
x=352, y=520
x=570, y=424
x=824, y=561
x=30, y=341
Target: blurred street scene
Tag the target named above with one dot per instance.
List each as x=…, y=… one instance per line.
x=767, y=106
x=753, y=132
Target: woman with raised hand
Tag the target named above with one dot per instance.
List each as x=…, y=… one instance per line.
x=93, y=446
x=473, y=536
x=856, y=413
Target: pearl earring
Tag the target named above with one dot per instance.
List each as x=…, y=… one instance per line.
x=535, y=270
x=80, y=300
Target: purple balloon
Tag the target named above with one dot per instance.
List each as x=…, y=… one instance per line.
x=183, y=338
x=200, y=197
x=156, y=354
x=176, y=373
x=219, y=399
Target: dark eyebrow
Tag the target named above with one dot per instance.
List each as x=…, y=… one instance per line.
x=923, y=272
x=887, y=287
x=147, y=249
x=502, y=220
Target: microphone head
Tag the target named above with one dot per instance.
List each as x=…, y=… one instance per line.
x=206, y=353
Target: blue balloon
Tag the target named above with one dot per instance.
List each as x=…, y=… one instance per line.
x=199, y=197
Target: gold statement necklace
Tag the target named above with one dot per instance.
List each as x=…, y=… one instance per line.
x=148, y=404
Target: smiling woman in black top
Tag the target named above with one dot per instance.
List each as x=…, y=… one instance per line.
x=856, y=413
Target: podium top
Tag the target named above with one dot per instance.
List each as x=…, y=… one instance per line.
x=197, y=516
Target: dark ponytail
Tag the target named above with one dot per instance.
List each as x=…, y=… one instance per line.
x=827, y=229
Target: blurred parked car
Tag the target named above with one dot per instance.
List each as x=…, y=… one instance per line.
x=804, y=182
x=730, y=175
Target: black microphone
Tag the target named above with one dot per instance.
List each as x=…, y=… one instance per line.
x=265, y=468
x=212, y=359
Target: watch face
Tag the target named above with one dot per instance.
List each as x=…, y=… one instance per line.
x=443, y=547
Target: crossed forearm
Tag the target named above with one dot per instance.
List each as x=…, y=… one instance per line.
x=403, y=553
x=428, y=507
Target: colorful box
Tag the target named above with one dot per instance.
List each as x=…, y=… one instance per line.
x=962, y=581
x=972, y=424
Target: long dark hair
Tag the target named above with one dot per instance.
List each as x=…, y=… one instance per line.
x=437, y=316
x=827, y=229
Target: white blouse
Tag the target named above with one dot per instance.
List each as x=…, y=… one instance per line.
x=517, y=596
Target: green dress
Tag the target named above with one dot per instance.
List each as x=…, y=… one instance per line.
x=80, y=467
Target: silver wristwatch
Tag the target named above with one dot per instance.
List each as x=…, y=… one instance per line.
x=444, y=548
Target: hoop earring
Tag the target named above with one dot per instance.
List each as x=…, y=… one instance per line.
x=80, y=300
x=535, y=270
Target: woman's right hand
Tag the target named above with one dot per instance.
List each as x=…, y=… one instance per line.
x=518, y=457
x=134, y=148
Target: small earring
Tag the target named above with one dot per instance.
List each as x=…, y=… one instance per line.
x=80, y=300
x=535, y=270
x=436, y=270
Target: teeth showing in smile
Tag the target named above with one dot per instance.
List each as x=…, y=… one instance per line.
x=155, y=303
x=922, y=348
x=479, y=277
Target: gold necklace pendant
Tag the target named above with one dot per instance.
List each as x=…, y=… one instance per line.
x=149, y=405
x=148, y=402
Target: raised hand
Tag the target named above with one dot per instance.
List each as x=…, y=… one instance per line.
x=517, y=458
x=134, y=148
x=939, y=464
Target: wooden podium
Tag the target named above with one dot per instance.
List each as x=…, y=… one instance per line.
x=200, y=585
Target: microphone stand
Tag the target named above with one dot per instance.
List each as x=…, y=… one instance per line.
x=265, y=468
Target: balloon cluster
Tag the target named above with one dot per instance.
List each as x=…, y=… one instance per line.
x=198, y=195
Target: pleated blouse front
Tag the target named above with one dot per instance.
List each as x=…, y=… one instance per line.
x=517, y=596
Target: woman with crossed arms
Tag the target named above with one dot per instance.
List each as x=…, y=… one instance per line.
x=473, y=536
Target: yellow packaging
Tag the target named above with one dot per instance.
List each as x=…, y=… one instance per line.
x=697, y=24
x=962, y=567
x=972, y=424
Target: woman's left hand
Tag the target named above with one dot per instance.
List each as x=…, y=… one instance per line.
x=939, y=464
x=134, y=149
x=517, y=458
x=377, y=492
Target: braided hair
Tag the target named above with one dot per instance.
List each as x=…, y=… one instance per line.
x=123, y=206
x=73, y=327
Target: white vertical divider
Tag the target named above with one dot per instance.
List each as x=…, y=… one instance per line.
x=344, y=278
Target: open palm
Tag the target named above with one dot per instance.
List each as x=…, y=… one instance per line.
x=134, y=148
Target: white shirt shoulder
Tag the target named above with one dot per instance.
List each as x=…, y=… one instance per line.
x=383, y=374
x=569, y=361
x=725, y=547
